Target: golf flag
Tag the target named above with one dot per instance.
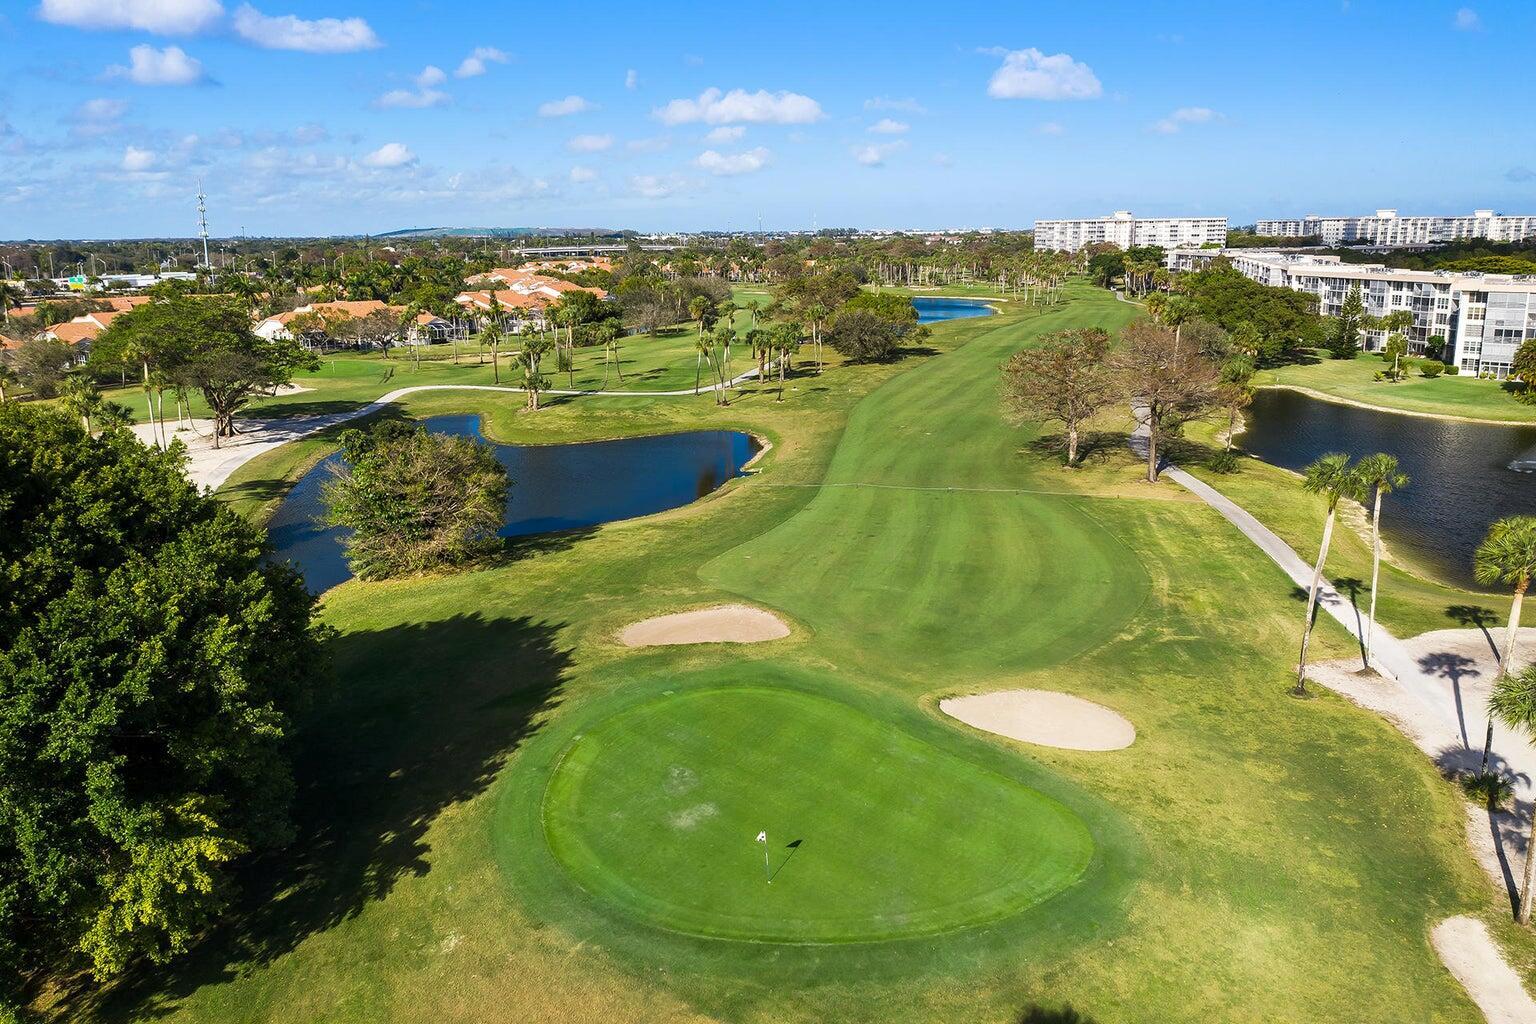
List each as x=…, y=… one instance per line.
x=762, y=837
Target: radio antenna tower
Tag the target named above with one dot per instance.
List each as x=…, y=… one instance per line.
x=202, y=221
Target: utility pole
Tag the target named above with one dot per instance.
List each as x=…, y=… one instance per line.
x=202, y=222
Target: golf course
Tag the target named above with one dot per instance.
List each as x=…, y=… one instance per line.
x=505, y=812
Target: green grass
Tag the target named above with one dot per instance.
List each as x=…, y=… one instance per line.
x=1254, y=857
x=1446, y=395
x=656, y=809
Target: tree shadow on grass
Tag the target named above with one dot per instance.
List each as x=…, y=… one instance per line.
x=421, y=717
x=1507, y=828
x=1064, y=1014
x=1093, y=446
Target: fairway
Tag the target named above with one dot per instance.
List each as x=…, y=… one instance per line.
x=872, y=833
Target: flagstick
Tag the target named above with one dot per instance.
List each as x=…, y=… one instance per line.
x=766, y=871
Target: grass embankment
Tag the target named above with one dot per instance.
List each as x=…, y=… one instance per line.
x=1351, y=380
x=1255, y=857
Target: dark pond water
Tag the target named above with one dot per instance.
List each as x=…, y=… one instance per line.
x=1462, y=480
x=932, y=310
x=554, y=487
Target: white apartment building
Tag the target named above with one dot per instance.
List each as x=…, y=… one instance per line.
x=1122, y=229
x=1388, y=227
x=1483, y=318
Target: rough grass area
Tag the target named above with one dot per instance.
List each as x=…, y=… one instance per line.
x=1256, y=857
x=1446, y=395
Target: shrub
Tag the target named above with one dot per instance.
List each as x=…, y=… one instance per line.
x=1223, y=462
x=1431, y=368
x=416, y=501
x=864, y=337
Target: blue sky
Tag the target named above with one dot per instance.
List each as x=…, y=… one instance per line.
x=343, y=116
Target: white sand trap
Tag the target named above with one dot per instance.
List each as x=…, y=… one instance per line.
x=1470, y=954
x=1045, y=717
x=723, y=624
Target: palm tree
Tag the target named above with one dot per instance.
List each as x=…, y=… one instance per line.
x=721, y=338
x=817, y=313
x=608, y=333
x=1379, y=476
x=1513, y=702
x=79, y=397
x=534, y=347
x=1331, y=477
x=490, y=337
x=1508, y=556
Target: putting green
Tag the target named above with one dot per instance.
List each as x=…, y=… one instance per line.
x=873, y=833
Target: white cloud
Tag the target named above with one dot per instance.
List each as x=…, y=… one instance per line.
x=726, y=164
x=1183, y=116
x=406, y=99
x=391, y=154
x=289, y=32
x=136, y=160
x=738, y=105
x=149, y=66
x=652, y=186
x=631, y=79
x=98, y=117
x=726, y=133
x=1031, y=75
x=580, y=173
x=474, y=64
x=907, y=105
x=888, y=126
x=564, y=108
x=589, y=143
x=650, y=144
x=1467, y=20
x=1051, y=128
x=874, y=156
x=431, y=75
x=166, y=17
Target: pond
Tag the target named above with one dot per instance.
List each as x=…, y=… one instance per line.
x=936, y=309
x=1462, y=473
x=554, y=487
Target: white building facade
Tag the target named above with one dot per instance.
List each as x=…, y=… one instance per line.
x=1388, y=227
x=1482, y=319
x=1123, y=229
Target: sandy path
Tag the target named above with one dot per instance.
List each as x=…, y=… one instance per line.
x=726, y=623
x=1469, y=953
x=1043, y=717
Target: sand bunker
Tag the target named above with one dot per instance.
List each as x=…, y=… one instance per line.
x=723, y=624
x=1045, y=717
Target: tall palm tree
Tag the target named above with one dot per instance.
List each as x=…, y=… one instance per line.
x=817, y=313
x=1514, y=703
x=1508, y=556
x=79, y=397
x=1379, y=476
x=704, y=351
x=534, y=348
x=1331, y=477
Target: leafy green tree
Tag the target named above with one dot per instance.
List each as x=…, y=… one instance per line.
x=40, y=364
x=1377, y=475
x=1344, y=336
x=151, y=660
x=1066, y=377
x=7, y=378
x=1169, y=385
x=415, y=501
x=864, y=337
x=1513, y=702
x=1331, y=477
x=1507, y=556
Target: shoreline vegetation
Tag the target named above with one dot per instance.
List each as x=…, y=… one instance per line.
x=1375, y=407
